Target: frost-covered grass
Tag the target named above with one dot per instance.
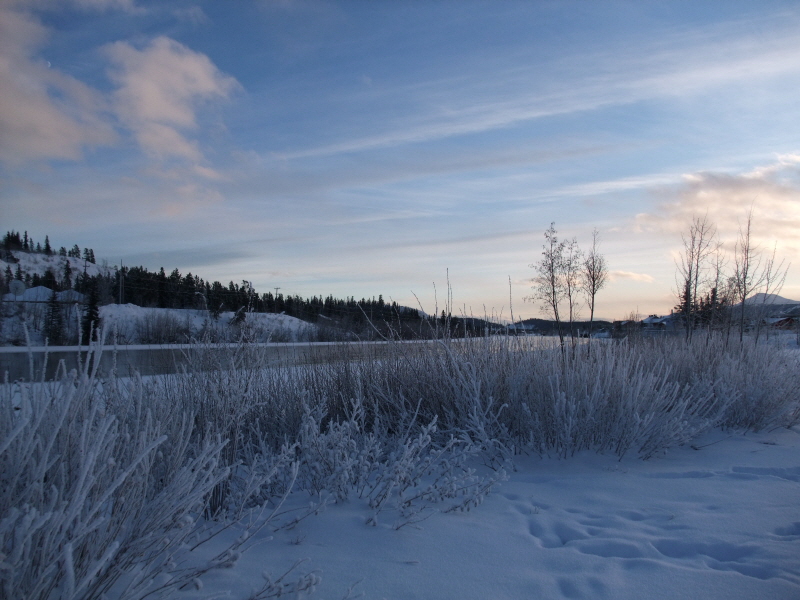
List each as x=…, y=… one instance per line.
x=121, y=486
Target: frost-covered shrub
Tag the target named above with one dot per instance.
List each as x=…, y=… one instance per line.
x=107, y=485
x=162, y=328
x=762, y=394
x=87, y=500
x=508, y=395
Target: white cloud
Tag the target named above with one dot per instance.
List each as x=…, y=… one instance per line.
x=160, y=89
x=772, y=191
x=642, y=277
x=44, y=114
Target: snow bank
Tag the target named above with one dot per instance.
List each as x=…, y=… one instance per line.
x=719, y=523
x=139, y=325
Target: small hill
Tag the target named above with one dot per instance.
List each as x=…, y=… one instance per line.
x=770, y=299
x=38, y=264
x=548, y=326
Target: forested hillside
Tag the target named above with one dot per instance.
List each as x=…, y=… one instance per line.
x=39, y=264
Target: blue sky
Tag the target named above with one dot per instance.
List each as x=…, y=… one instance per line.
x=365, y=148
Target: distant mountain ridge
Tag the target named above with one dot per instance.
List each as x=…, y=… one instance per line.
x=771, y=299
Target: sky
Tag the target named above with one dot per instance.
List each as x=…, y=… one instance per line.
x=361, y=148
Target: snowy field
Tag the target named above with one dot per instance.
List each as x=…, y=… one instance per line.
x=719, y=523
x=495, y=469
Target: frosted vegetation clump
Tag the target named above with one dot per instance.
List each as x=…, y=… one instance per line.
x=113, y=486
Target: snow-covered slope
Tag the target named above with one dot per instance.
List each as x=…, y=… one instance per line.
x=139, y=325
x=38, y=264
x=720, y=522
x=770, y=299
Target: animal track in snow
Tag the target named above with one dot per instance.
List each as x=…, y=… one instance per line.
x=788, y=473
x=634, y=535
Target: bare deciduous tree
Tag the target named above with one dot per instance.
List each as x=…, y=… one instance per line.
x=548, y=285
x=698, y=245
x=774, y=276
x=571, y=273
x=594, y=275
x=748, y=273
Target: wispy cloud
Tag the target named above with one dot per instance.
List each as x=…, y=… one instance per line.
x=127, y=5
x=641, y=277
x=44, y=114
x=686, y=63
x=159, y=90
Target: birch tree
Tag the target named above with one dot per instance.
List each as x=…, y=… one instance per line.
x=748, y=273
x=774, y=276
x=698, y=246
x=594, y=275
x=548, y=284
x=571, y=273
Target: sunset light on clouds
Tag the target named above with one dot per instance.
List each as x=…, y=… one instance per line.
x=364, y=148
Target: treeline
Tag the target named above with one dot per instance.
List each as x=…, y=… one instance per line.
x=12, y=240
x=718, y=290
x=366, y=317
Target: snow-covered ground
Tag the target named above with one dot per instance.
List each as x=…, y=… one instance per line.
x=130, y=321
x=718, y=520
x=158, y=487
x=37, y=264
x=130, y=324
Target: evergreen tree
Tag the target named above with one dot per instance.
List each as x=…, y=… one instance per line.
x=47, y=249
x=12, y=241
x=66, y=278
x=91, y=315
x=54, y=322
x=25, y=245
x=62, y=251
x=49, y=280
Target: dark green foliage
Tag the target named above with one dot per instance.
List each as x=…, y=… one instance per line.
x=66, y=276
x=91, y=315
x=12, y=241
x=54, y=322
x=49, y=280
